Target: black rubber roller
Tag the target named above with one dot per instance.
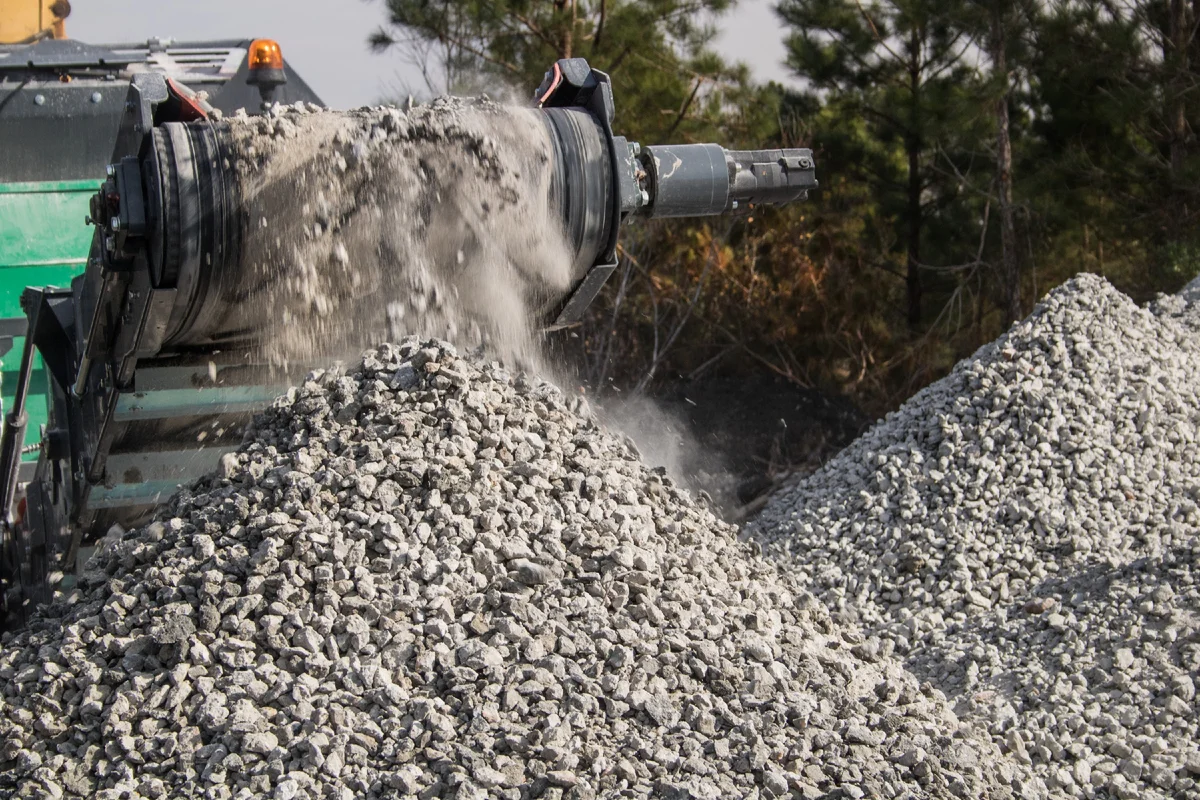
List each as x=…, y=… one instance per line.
x=194, y=207
x=582, y=186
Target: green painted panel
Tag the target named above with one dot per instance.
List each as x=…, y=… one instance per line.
x=13, y=281
x=170, y=403
x=39, y=187
x=36, y=187
x=43, y=223
x=123, y=495
x=43, y=242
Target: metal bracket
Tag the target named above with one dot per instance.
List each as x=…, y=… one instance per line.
x=572, y=82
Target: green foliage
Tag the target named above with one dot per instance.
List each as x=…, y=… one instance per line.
x=667, y=81
x=1104, y=181
x=907, y=119
x=1102, y=147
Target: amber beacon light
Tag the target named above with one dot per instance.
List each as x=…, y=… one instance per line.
x=265, y=54
x=265, y=60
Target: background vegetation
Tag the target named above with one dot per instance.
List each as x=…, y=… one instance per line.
x=972, y=155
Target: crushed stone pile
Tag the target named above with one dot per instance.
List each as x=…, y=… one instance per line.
x=1191, y=292
x=434, y=220
x=1024, y=534
x=430, y=577
x=1182, y=307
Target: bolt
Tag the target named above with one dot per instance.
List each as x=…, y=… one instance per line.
x=110, y=170
x=115, y=223
x=734, y=205
x=39, y=99
x=635, y=148
x=97, y=97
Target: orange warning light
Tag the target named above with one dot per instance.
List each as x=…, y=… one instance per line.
x=265, y=54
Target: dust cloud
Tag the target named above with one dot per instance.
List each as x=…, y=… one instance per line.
x=665, y=440
x=375, y=224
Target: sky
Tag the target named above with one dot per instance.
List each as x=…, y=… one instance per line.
x=325, y=40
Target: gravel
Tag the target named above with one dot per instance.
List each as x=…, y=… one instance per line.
x=1024, y=534
x=431, y=577
x=1182, y=307
x=1191, y=292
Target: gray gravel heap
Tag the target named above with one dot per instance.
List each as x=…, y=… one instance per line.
x=1182, y=307
x=429, y=577
x=1024, y=534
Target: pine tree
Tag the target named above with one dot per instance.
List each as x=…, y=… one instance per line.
x=1110, y=169
x=902, y=67
x=666, y=79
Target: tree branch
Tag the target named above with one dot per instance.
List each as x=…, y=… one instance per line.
x=445, y=38
x=600, y=25
x=882, y=42
x=536, y=31
x=620, y=58
x=684, y=108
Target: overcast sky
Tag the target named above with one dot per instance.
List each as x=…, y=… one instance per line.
x=325, y=40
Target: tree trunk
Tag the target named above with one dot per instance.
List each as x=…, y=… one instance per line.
x=1178, y=33
x=1194, y=40
x=912, y=144
x=1010, y=269
x=913, y=271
